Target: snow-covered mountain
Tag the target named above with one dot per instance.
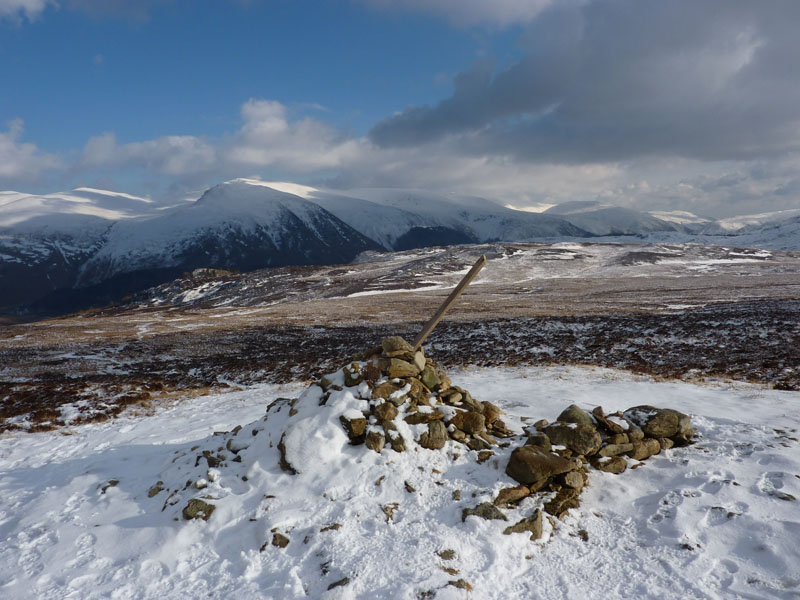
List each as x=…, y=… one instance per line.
x=602, y=219
x=88, y=246
x=402, y=219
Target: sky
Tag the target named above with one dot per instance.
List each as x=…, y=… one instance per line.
x=682, y=105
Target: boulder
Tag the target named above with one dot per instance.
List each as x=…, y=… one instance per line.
x=575, y=414
x=436, y=436
x=539, y=439
x=469, y=422
x=385, y=412
x=659, y=422
x=615, y=449
x=399, y=369
x=356, y=428
x=644, y=449
x=395, y=343
x=610, y=464
x=531, y=466
x=605, y=423
x=430, y=379
x=581, y=439
x=198, y=509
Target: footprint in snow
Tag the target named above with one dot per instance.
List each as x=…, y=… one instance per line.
x=771, y=482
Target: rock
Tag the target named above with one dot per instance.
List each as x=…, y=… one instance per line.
x=610, y=464
x=478, y=444
x=447, y=554
x=401, y=368
x=485, y=510
x=461, y=584
x=375, y=441
x=342, y=582
x=282, y=461
x=635, y=433
x=388, y=510
x=530, y=465
x=487, y=438
x=385, y=412
x=394, y=343
x=491, y=412
x=436, y=436
x=385, y=389
x=198, y=509
x=352, y=376
x=484, y=455
x=565, y=499
x=605, y=423
x=452, y=397
x=511, y=495
x=419, y=360
x=430, y=379
x=458, y=435
x=665, y=443
x=573, y=479
x=541, y=423
x=156, y=489
x=575, y=414
x=532, y=525
x=499, y=428
x=618, y=438
x=469, y=422
x=421, y=418
x=644, y=449
x=398, y=443
x=615, y=449
x=356, y=428
x=659, y=422
x=279, y=540
x=539, y=439
x=581, y=439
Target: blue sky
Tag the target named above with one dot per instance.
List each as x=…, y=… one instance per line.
x=686, y=105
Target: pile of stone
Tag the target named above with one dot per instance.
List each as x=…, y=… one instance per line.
x=556, y=456
x=404, y=384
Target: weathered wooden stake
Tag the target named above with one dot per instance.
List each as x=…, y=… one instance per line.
x=426, y=331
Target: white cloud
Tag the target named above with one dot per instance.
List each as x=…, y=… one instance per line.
x=269, y=138
x=21, y=161
x=17, y=9
x=470, y=12
x=174, y=155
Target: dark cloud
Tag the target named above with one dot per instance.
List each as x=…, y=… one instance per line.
x=619, y=79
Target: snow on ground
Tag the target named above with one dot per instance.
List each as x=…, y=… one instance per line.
x=713, y=520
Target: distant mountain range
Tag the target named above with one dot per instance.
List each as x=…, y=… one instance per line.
x=66, y=251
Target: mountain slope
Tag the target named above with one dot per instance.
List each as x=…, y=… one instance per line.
x=238, y=225
x=600, y=219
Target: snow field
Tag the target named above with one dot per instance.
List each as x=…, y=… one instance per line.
x=713, y=520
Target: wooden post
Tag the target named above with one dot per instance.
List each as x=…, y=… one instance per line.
x=426, y=331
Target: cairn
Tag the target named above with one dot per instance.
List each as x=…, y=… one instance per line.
x=403, y=384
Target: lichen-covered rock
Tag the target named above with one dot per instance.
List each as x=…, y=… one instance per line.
x=530, y=465
x=421, y=418
x=198, y=509
x=564, y=500
x=575, y=414
x=430, y=379
x=581, y=439
x=385, y=411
